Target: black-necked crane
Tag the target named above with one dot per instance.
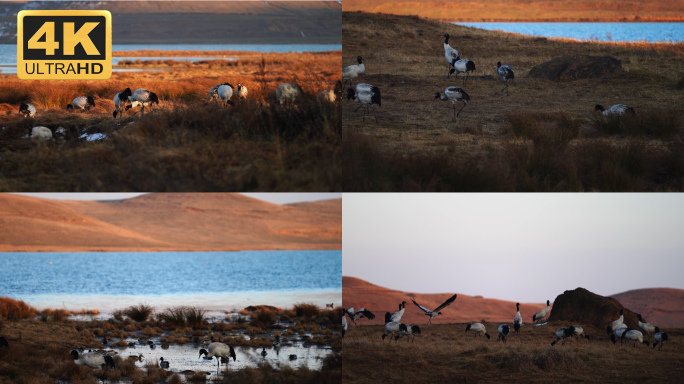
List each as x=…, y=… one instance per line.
x=241, y=91
x=28, y=110
x=537, y=317
x=617, y=333
x=463, y=66
x=392, y=327
x=82, y=102
x=408, y=330
x=660, y=338
x=263, y=352
x=616, y=110
x=360, y=314
x=288, y=93
x=647, y=327
x=93, y=360
x=436, y=312
x=505, y=73
x=120, y=100
x=635, y=336
x=367, y=99
x=477, y=328
x=353, y=71
x=276, y=343
x=454, y=94
x=450, y=54
x=504, y=330
x=517, y=320
x=562, y=334
x=142, y=97
x=396, y=316
x=611, y=328
x=218, y=350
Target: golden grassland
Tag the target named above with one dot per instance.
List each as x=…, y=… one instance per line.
x=445, y=353
x=184, y=144
x=545, y=136
x=526, y=10
x=39, y=346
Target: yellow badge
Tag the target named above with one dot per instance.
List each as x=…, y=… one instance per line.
x=64, y=45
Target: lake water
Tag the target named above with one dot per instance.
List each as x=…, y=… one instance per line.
x=213, y=280
x=622, y=32
x=8, y=52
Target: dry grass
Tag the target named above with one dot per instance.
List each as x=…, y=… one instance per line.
x=545, y=136
x=184, y=144
x=139, y=313
x=451, y=355
x=526, y=10
x=15, y=309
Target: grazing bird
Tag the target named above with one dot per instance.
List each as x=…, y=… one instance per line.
x=436, y=312
x=393, y=328
x=408, y=330
x=326, y=96
x=263, y=352
x=360, y=87
x=225, y=92
x=120, y=100
x=660, y=338
x=353, y=71
x=453, y=94
x=93, y=360
x=616, y=110
x=41, y=133
x=451, y=55
x=505, y=73
x=477, y=328
x=396, y=316
x=82, y=102
x=163, y=364
x=288, y=92
x=344, y=325
x=367, y=99
x=517, y=320
x=611, y=328
x=218, y=350
x=28, y=110
x=542, y=313
x=617, y=334
x=634, y=335
x=241, y=91
x=504, y=330
x=3, y=342
x=358, y=314
x=142, y=97
x=647, y=327
x=578, y=332
x=213, y=93
x=463, y=66
x=562, y=334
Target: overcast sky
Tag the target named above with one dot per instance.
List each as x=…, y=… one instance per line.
x=278, y=198
x=518, y=247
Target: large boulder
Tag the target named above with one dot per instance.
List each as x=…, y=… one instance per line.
x=582, y=307
x=575, y=67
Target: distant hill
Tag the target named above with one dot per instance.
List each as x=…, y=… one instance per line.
x=663, y=307
x=666, y=305
x=167, y=222
x=202, y=22
x=526, y=10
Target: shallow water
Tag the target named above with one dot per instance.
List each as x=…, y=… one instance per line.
x=216, y=281
x=623, y=32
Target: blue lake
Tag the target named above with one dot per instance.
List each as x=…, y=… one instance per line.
x=106, y=281
x=621, y=32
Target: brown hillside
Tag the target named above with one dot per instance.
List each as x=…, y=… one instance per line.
x=663, y=307
x=583, y=307
x=358, y=293
x=189, y=222
x=526, y=10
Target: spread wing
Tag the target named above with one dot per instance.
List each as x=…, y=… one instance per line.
x=421, y=307
x=446, y=303
x=369, y=315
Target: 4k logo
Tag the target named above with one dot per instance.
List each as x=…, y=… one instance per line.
x=64, y=45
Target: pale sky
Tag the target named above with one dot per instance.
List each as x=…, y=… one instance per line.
x=277, y=198
x=517, y=247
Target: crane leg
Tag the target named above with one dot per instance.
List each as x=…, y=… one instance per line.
x=464, y=104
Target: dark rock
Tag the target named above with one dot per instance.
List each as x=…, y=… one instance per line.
x=582, y=307
x=575, y=67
